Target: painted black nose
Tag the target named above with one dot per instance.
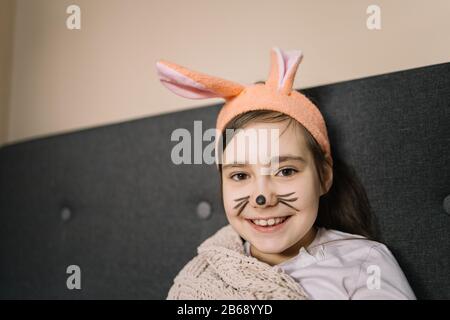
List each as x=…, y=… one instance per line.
x=260, y=200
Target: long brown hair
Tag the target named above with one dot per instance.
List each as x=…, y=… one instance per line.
x=345, y=207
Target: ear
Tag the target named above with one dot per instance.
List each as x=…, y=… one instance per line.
x=195, y=85
x=283, y=67
x=328, y=177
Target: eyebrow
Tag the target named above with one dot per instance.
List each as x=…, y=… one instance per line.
x=281, y=159
x=290, y=157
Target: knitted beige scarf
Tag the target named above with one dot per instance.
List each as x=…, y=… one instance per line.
x=222, y=270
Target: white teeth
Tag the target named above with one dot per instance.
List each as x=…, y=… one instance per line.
x=269, y=222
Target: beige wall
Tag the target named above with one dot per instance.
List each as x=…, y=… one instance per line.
x=6, y=38
x=66, y=80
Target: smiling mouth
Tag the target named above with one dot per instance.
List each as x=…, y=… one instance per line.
x=268, y=222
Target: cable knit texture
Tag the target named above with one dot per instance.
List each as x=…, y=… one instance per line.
x=221, y=270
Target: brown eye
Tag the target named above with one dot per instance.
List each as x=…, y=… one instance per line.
x=239, y=176
x=286, y=172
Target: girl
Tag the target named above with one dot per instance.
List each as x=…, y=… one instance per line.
x=300, y=224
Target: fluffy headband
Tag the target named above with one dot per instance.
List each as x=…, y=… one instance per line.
x=276, y=94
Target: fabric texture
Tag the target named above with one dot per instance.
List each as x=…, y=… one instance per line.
x=222, y=270
x=275, y=94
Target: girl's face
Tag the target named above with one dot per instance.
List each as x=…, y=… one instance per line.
x=291, y=189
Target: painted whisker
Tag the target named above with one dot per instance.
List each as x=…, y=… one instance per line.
x=242, y=208
x=242, y=198
x=283, y=199
x=289, y=200
x=239, y=204
x=287, y=204
x=285, y=195
x=242, y=203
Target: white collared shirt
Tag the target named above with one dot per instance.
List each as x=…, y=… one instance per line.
x=339, y=265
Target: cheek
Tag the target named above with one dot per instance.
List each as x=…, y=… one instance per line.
x=229, y=194
x=308, y=191
x=302, y=223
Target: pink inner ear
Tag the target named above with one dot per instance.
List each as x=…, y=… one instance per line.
x=286, y=61
x=183, y=85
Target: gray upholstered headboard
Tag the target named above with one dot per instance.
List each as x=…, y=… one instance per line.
x=110, y=200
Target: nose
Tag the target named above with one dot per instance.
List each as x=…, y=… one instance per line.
x=263, y=194
x=261, y=200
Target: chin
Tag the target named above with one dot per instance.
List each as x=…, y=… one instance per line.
x=269, y=248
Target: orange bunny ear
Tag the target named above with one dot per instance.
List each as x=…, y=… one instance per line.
x=195, y=85
x=283, y=67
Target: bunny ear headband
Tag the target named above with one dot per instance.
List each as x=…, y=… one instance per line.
x=276, y=94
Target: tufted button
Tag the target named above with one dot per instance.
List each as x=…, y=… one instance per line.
x=204, y=210
x=446, y=204
x=66, y=213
